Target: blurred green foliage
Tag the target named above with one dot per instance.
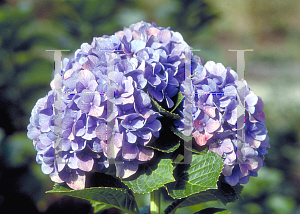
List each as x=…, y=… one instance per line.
x=30, y=27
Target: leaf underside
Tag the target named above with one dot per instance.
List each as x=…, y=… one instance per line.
x=112, y=197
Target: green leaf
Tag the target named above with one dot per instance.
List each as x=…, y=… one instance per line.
x=192, y=200
x=114, y=197
x=181, y=135
x=152, y=176
x=164, y=111
x=179, y=99
x=167, y=141
x=198, y=198
x=200, y=175
x=212, y=210
x=98, y=206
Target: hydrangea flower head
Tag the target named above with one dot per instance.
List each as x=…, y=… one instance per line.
x=115, y=80
x=215, y=102
x=145, y=62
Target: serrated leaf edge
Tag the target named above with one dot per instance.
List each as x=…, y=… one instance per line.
x=121, y=189
x=144, y=192
x=193, y=184
x=164, y=111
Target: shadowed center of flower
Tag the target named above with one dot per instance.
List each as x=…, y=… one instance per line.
x=214, y=144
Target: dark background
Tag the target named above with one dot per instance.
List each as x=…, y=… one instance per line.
x=271, y=28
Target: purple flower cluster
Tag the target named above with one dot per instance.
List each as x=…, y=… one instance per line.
x=214, y=117
x=102, y=102
x=139, y=62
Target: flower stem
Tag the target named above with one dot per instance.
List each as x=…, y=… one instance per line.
x=155, y=202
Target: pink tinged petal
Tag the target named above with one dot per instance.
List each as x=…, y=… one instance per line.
x=254, y=143
x=260, y=164
x=127, y=100
x=126, y=169
x=104, y=147
x=68, y=73
x=72, y=135
x=137, y=35
x=119, y=34
x=230, y=158
x=96, y=111
x=129, y=151
x=101, y=131
x=227, y=146
x=201, y=139
x=215, y=149
x=152, y=31
x=212, y=125
x=128, y=34
x=253, y=163
x=210, y=111
x=145, y=154
x=93, y=60
x=85, y=162
x=55, y=177
x=92, y=85
x=118, y=139
x=198, y=125
x=85, y=76
x=56, y=83
x=164, y=35
x=244, y=169
x=227, y=170
x=76, y=180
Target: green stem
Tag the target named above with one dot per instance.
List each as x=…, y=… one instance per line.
x=155, y=202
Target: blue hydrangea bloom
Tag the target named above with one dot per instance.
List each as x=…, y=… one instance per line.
x=214, y=118
x=146, y=59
